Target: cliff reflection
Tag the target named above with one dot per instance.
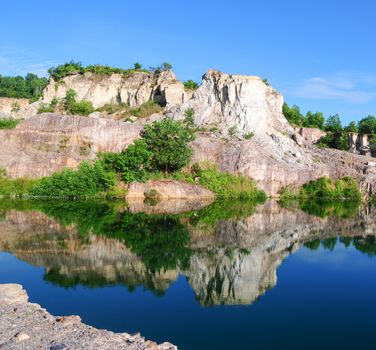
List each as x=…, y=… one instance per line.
x=229, y=252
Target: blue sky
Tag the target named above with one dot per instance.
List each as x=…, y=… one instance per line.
x=319, y=54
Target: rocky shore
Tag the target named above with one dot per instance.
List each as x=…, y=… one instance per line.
x=25, y=325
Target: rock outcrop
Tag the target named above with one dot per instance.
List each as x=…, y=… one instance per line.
x=25, y=325
x=134, y=89
x=244, y=103
x=47, y=143
x=248, y=131
x=10, y=104
x=168, y=189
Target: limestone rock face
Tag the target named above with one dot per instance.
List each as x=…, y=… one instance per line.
x=49, y=142
x=133, y=90
x=311, y=135
x=7, y=103
x=242, y=102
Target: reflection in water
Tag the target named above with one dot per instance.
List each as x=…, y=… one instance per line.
x=229, y=252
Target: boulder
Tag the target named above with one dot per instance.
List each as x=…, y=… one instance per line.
x=168, y=189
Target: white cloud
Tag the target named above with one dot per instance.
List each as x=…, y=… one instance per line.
x=346, y=87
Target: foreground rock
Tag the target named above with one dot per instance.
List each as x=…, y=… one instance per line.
x=25, y=325
x=168, y=189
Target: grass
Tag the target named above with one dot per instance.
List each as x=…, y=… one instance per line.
x=15, y=187
x=145, y=110
x=324, y=188
x=8, y=123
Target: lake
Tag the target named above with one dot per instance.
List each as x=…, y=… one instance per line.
x=234, y=275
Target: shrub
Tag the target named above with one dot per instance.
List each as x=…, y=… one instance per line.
x=190, y=85
x=8, y=123
x=337, y=140
x=152, y=197
x=189, y=117
x=233, y=130
x=226, y=185
x=63, y=70
x=145, y=110
x=324, y=189
x=49, y=107
x=15, y=107
x=88, y=180
x=73, y=106
x=134, y=163
x=15, y=187
x=249, y=135
x=168, y=140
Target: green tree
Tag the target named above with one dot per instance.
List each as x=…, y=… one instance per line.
x=314, y=120
x=334, y=124
x=352, y=127
x=168, y=140
x=293, y=115
x=367, y=125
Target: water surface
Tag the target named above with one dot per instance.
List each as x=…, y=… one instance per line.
x=233, y=275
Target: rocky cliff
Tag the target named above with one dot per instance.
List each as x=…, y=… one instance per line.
x=134, y=89
x=242, y=130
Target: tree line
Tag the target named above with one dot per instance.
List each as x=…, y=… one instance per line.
x=337, y=134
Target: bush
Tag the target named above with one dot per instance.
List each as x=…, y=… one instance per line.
x=145, y=110
x=63, y=70
x=337, y=140
x=249, y=135
x=226, y=185
x=324, y=189
x=88, y=180
x=134, y=163
x=73, y=106
x=168, y=140
x=8, y=123
x=15, y=187
x=190, y=85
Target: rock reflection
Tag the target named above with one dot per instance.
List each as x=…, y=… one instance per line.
x=228, y=252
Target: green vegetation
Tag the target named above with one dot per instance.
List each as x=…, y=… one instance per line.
x=190, y=85
x=69, y=103
x=366, y=245
x=61, y=71
x=30, y=87
x=324, y=188
x=163, y=147
x=15, y=187
x=49, y=107
x=337, y=135
x=73, y=106
x=87, y=180
x=249, y=135
x=145, y=110
x=8, y=123
x=226, y=185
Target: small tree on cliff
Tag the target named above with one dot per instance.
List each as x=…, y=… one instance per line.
x=168, y=141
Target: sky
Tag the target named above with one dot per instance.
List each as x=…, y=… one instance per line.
x=319, y=54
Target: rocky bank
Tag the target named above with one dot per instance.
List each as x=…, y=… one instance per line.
x=25, y=325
